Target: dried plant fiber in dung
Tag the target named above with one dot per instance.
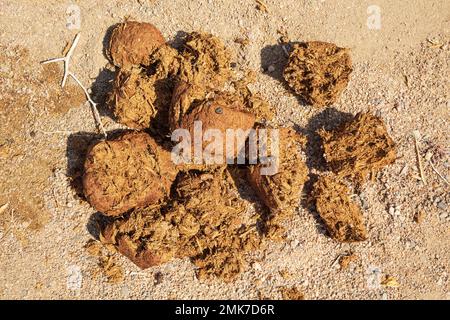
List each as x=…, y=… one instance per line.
x=342, y=217
x=128, y=172
x=318, y=72
x=358, y=147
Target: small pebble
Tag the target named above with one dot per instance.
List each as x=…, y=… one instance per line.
x=392, y=211
x=436, y=201
x=410, y=244
x=294, y=244
x=441, y=205
x=256, y=266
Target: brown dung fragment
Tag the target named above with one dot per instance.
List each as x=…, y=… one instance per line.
x=188, y=96
x=137, y=98
x=128, y=172
x=205, y=61
x=359, y=147
x=219, y=114
x=292, y=293
x=145, y=236
x=318, y=72
x=132, y=43
x=208, y=119
x=281, y=191
x=141, y=96
x=185, y=96
x=342, y=217
x=345, y=260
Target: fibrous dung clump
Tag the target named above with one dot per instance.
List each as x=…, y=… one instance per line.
x=225, y=230
x=188, y=99
x=141, y=97
x=280, y=190
x=318, y=72
x=128, y=172
x=252, y=101
x=146, y=236
x=206, y=61
x=172, y=82
x=342, y=217
x=132, y=43
x=204, y=67
x=358, y=147
x=206, y=222
x=138, y=100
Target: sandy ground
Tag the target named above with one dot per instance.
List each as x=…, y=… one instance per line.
x=401, y=73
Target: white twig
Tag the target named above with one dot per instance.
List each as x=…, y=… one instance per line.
x=416, y=135
x=4, y=207
x=437, y=172
x=56, y=132
x=67, y=73
x=66, y=59
x=93, y=105
x=335, y=261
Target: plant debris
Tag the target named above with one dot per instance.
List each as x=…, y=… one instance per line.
x=106, y=262
x=343, y=219
x=345, y=260
x=318, y=72
x=419, y=216
x=390, y=281
x=358, y=147
x=251, y=100
x=261, y=6
x=3, y=207
x=416, y=135
x=128, y=172
x=291, y=294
